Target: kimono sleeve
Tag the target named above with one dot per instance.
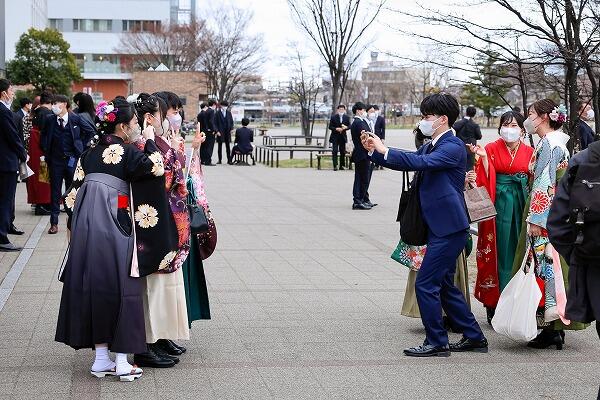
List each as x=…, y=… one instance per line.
x=70, y=194
x=487, y=180
x=544, y=184
x=148, y=163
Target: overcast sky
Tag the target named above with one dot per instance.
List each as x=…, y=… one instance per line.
x=273, y=19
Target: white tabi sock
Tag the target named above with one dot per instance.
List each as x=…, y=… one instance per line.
x=123, y=366
x=102, y=361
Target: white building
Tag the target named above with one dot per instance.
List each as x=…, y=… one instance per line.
x=93, y=28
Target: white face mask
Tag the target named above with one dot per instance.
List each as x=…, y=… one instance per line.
x=529, y=125
x=224, y=108
x=590, y=114
x=341, y=113
x=175, y=121
x=56, y=109
x=426, y=127
x=510, y=135
x=372, y=116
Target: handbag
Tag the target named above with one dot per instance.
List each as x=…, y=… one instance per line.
x=409, y=256
x=43, y=175
x=515, y=315
x=413, y=228
x=479, y=204
x=198, y=220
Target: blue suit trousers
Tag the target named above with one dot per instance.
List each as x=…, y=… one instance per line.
x=435, y=290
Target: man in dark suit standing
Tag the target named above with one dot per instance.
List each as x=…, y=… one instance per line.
x=64, y=138
x=243, y=141
x=360, y=157
x=339, y=125
x=441, y=183
x=207, y=125
x=586, y=134
x=379, y=127
x=223, y=126
x=469, y=132
x=12, y=153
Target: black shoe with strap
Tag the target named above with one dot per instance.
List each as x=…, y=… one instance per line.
x=427, y=350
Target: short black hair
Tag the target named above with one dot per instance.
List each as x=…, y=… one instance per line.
x=245, y=121
x=224, y=103
x=24, y=101
x=4, y=84
x=375, y=107
x=170, y=98
x=61, y=98
x=441, y=104
x=341, y=106
x=46, y=97
x=359, y=105
x=471, y=111
x=370, y=106
x=211, y=102
x=202, y=105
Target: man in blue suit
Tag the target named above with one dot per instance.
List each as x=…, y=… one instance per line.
x=64, y=138
x=442, y=163
x=12, y=153
x=360, y=157
x=244, y=137
x=223, y=126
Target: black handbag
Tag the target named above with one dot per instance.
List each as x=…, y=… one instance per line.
x=198, y=220
x=413, y=229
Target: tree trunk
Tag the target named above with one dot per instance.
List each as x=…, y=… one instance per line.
x=305, y=123
x=595, y=101
x=572, y=97
x=336, y=83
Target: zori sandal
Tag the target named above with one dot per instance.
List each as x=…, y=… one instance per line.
x=102, y=374
x=131, y=376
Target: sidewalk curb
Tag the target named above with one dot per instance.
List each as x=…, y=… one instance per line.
x=12, y=276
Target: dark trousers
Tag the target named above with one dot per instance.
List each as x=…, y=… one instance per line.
x=8, y=188
x=59, y=172
x=435, y=290
x=361, y=181
x=207, y=148
x=227, y=149
x=338, y=145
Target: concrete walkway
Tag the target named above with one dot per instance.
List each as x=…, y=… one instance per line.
x=305, y=303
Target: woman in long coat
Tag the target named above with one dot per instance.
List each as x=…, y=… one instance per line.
x=101, y=305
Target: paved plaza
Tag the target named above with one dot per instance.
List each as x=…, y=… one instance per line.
x=305, y=304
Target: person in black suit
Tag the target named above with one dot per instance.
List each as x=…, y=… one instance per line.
x=379, y=127
x=207, y=125
x=12, y=153
x=243, y=141
x=224, y=126
x=339, y=125
x=586, y=134
x=361, y=159
x=469, y=132
x=64, y=138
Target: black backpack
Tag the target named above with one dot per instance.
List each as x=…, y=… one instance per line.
x=413, y=228
x=584, y=205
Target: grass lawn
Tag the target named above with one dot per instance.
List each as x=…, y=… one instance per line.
x=326, y=163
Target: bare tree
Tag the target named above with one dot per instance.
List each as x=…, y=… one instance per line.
x=176, y=46
x=305, y=85
x=336, y=27
x=233, y=55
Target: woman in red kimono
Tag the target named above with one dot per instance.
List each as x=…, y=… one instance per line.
x=503, y=169
x=38, y=192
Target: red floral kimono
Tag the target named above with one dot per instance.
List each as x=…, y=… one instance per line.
x=507, y=185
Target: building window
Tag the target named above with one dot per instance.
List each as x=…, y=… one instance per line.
x=140, y=26
x=56, y=24
x=92, y=25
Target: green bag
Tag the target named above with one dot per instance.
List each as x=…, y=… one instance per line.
x=409, y=256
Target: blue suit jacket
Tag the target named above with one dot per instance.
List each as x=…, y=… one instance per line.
x=359, y=153
x=81, y=130
x=12, y=151
x=441, y=191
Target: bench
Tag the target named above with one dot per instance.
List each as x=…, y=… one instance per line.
x=242, y=159
x=269, y=155
x=347, y=156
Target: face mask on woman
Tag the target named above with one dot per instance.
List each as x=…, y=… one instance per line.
x=175, y=121
x=529, y=125
x=510, y=135
x=426, y=127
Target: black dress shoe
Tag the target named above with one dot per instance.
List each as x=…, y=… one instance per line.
x=370, y=204
x=168, y=346
x=8, y=247
x=162, y=353
x=465, y=344
x=548, y=338
x=183, y=349
x=152, y=360
x=427, y=350
x=342, y=168
x=335, y=168
x=14, y=231
x=361, y=206
x=41, y=210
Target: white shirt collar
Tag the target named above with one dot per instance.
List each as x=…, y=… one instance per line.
x=6, y=104
x=466, y=117
x=25, y=113
x=434, y=141
x=65, y=118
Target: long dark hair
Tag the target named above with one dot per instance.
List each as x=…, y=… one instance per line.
x=124, y=114
x=85, y=104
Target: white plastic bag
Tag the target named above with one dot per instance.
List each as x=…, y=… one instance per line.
x=517, y=306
